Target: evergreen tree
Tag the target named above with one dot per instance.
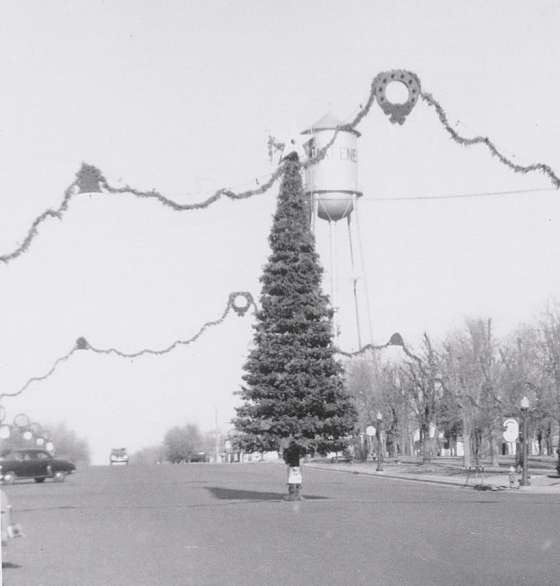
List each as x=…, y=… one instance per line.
x=293, y=399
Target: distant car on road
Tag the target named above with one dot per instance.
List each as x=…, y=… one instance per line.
x=118, y=456
x=199, y=457
x=32, y=463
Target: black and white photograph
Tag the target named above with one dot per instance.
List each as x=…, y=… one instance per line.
x=280, y=293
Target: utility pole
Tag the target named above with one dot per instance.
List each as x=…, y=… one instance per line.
x=525, y=470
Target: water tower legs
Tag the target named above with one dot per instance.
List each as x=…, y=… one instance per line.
x=354, y=280
x=332, y=274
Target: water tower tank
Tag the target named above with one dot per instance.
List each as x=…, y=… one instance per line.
x=333, y=181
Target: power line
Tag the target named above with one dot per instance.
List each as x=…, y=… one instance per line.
x=457, y=195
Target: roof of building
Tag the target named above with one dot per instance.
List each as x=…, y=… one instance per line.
x=328, y=122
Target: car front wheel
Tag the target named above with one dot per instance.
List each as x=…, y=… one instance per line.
x=9, y=478
x=59, y=476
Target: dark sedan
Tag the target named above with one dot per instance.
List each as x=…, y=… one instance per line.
x=32, y=463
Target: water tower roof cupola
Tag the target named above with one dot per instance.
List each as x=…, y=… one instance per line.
x=328, y=122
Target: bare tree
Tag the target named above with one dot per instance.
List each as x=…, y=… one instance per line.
x=422, y=378
x=472, y=375
x=549, y=343
x=149, y=455
x=362, y=382
x=466, y=388
x=67, y=443
x=376, y=386
x=182, y=442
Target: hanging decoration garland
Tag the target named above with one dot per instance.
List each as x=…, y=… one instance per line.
x=32, y=232
x=397, y=112
x=90, y=180
x=395, y=340
x=362, y=350
x=240, y=302
x=232, y=299
x=536, y=167
x=34, y=379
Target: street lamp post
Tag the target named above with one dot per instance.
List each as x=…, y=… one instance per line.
x=525, y=473
x=379, y=431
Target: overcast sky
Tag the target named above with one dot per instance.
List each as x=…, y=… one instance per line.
x=181, y=96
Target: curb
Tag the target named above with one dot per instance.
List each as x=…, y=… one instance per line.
x=524, y=490
x=391, y=476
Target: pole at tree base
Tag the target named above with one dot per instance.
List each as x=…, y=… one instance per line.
x=379, y=432
x=217, y=442
x=295, y=479
x=295, y=482
x=370, y=433
x=525, y=471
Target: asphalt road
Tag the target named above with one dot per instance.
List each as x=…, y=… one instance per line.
x=203, y=524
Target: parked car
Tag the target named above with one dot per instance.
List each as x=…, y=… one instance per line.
x=32, y=463
x=118, y=456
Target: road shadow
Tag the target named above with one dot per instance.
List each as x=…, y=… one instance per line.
x=232, y=494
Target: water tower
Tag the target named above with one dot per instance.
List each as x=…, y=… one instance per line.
x=332, y=185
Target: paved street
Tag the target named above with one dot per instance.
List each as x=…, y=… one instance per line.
x=203, y=524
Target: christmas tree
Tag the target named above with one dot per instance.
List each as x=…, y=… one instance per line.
x=293, y=397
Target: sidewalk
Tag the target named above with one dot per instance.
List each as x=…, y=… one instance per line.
x=542, y=481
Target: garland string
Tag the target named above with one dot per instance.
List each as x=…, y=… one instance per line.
x=33, y=232
x=90, y=175
x=178, y=207
x=82, y=343
x=362, y=350
x=396, y=340
x=161, y=351
x=76, y=188
x=543, y=168
x=50, y=372
x=89, y=178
